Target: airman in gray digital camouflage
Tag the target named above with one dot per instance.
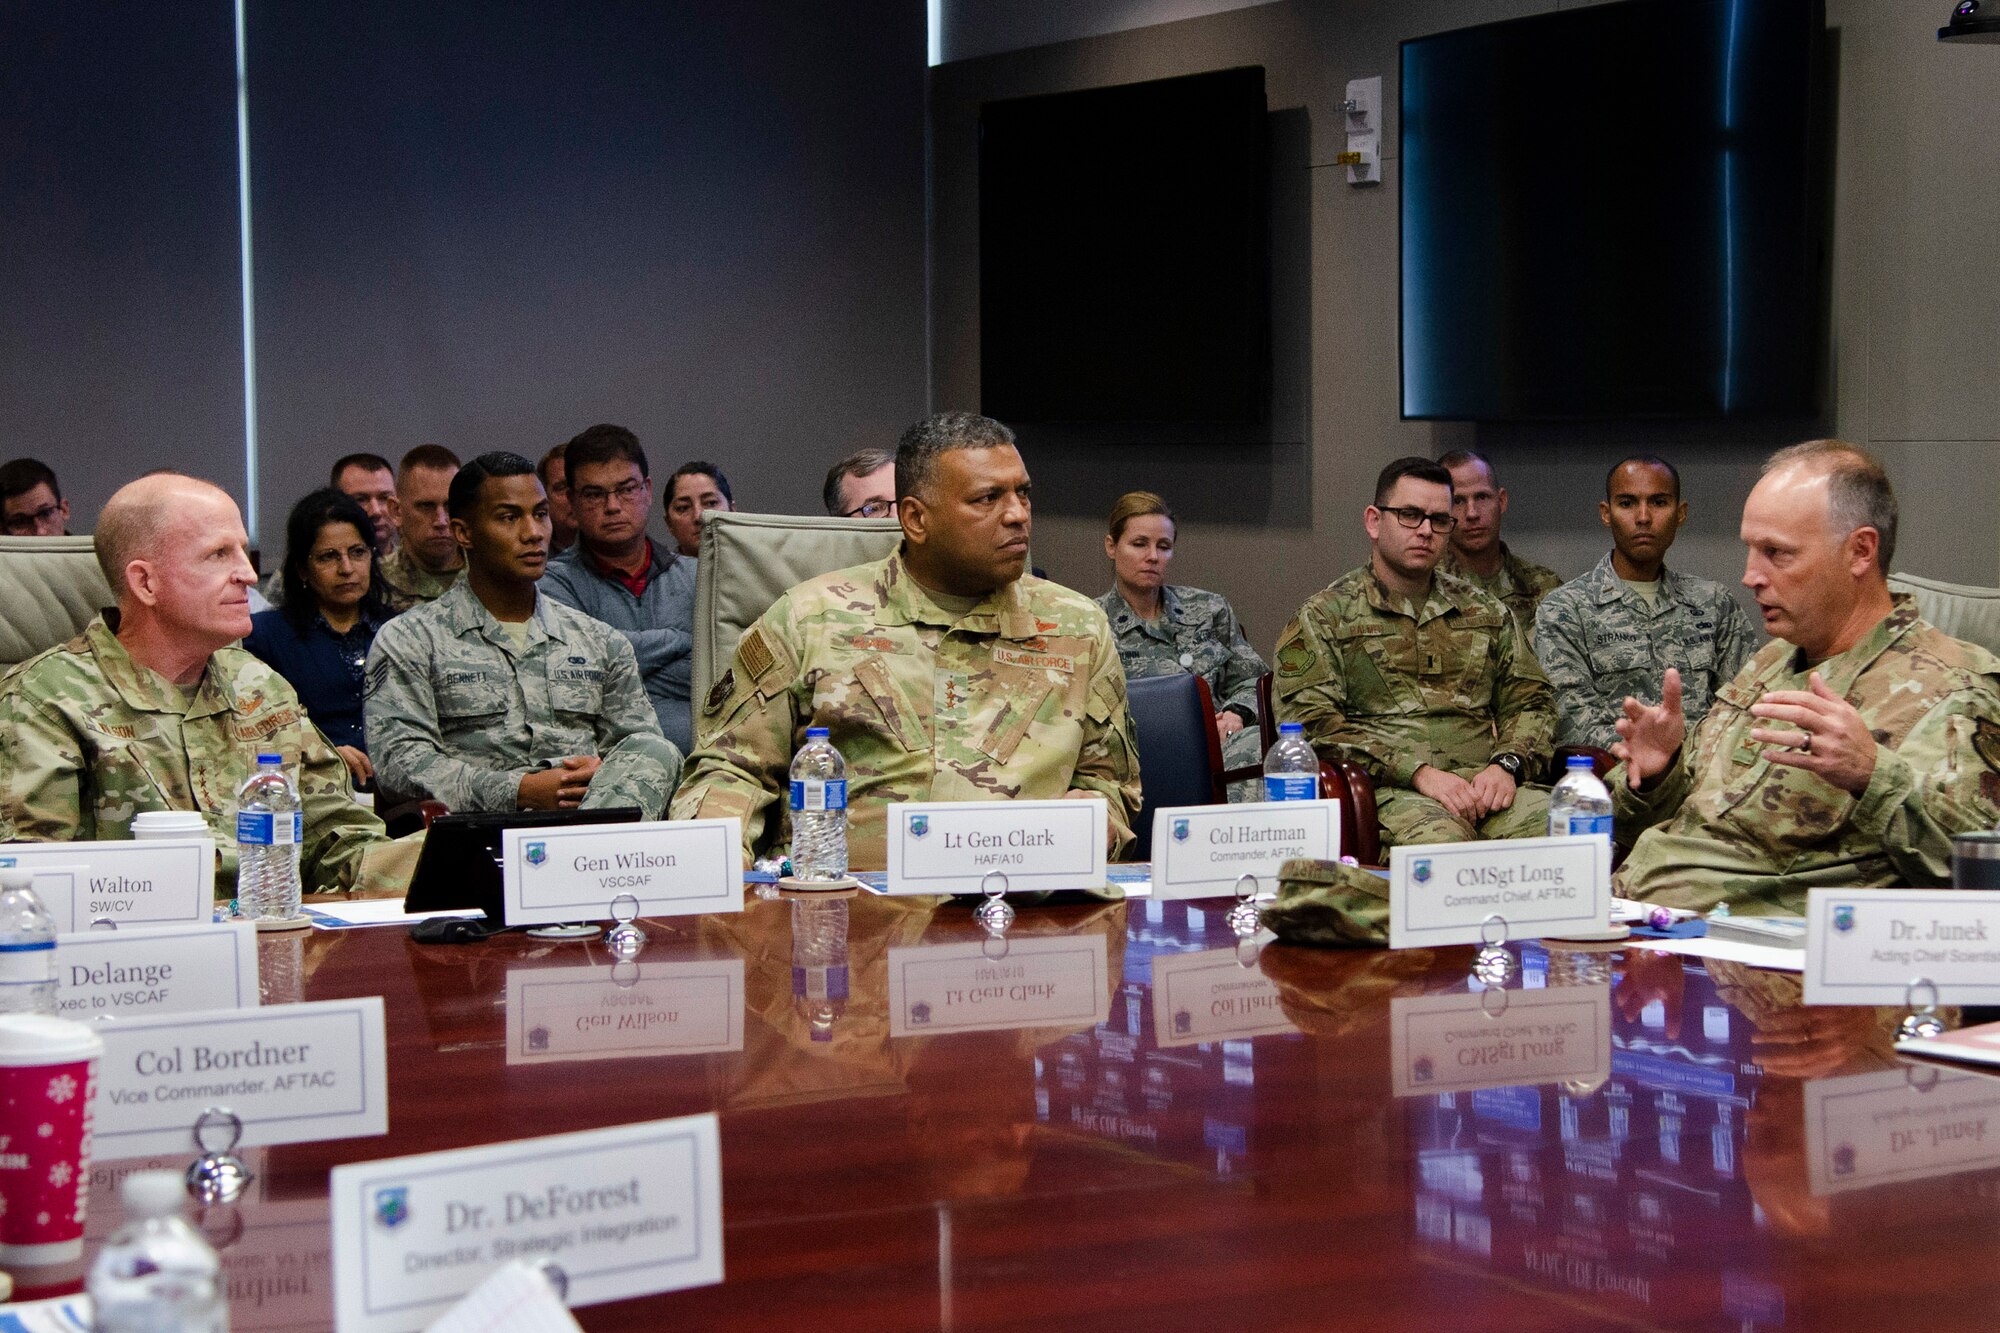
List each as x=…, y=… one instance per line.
x=1476, y=553
x=1613, y=632
x=494, y=697
x=1423, y=680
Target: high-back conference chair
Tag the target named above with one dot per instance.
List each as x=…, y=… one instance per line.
x=1180, y=756
x=50, y=587
x=1962, y=611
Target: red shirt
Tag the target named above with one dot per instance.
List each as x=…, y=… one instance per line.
x=634, y=583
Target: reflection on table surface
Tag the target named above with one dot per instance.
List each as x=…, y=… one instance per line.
x=1126, y=1118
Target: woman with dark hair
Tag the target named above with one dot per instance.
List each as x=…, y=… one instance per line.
x=334, y=602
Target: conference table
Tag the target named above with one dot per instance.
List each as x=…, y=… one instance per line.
x=1218, y=1136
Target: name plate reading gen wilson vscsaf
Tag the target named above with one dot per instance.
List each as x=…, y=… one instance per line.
x=574, y=873
x=953, y=846
x=1443, y=893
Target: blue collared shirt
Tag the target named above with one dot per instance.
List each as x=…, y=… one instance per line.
x=324, y=667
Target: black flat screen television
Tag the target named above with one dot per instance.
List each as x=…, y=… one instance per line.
x=1124, y=238
x=1615, y=211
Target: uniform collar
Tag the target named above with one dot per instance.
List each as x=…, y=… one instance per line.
x=465, y=614
x=1842, y=669
x=145, y=690
x=1607, y=586
x=1123, y=617
x=1442, y=598
x=903, y=601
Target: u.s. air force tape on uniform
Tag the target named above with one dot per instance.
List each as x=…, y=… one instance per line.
x=152, y=883
x=626, y=1211
x=574, y=873
x=295, y=1073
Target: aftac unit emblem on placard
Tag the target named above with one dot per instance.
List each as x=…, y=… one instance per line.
x=1422, y=1070
x=1180, y=830
x=1843, y=919
x=920, y=1013
x=537, y=853
x=392, y=1206
x=1421, y=871
x=919, y=825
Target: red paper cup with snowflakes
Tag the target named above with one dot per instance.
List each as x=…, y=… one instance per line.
x=48, y=1081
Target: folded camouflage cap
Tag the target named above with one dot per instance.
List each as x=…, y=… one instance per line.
x=1329, y=903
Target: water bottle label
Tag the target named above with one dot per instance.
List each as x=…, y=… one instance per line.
x=269, y=829
x=1290, y=786
x=1583, y=825
x=27, y=964
x=813, y=795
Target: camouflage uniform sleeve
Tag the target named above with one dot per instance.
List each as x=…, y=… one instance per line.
x=627, y=707
x=1944, y=779
x=41, y=768
x=1309, y=686
x=743, y=732
x=339, y=832
x=1735, y=638
x=1523, y=704
x=1107, y=762
x=404, y=741
x=1585, y=716
x=1239, y=674
x=1633, y=812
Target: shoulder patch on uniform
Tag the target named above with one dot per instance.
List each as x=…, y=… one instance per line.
x=1986, y=740
x=718, y=693
x=1295, y=657
x=755, y=654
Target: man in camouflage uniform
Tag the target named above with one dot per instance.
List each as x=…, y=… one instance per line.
x=1852, y=747
x=1614, y=631
x=943, y=672
x=1197, y=634
x=427, y=561
x=1477, y=554
x=152, y=707
x=494, y=697
x=1421, y=678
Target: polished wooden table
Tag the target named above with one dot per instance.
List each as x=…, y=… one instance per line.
x=1104, y=1175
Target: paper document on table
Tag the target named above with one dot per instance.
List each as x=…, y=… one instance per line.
x=64, y=1314
x=515, y=1299
x=1770, y=956
x=373, y=912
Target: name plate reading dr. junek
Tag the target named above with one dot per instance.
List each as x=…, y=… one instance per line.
x=953, y=846
x=671, y=867
x=1443, y=893
x=1868, y=946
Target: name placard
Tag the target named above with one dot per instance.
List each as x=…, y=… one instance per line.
x=1442, y=893
x=295, y=1073
x=952, y=846
x=1866, y=946
x=1212, y=996
x=1899, y=1124
x=627, y=1211
x=1046, y=981
x=158, y=882
x=623, y=1012
x=1200, y=851
x=157, y=970
x=1499, y=1039
x=673, y=868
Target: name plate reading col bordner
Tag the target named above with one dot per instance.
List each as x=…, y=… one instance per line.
x=1868, y=946
x=157, y=970
x=158, y=882
x=1201, y=851
x=295, y=1073
x=1442, y=893
x=672, y=867
x=953, y=846
x=624, y=1212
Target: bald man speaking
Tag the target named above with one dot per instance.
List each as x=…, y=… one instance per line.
x=152, y=707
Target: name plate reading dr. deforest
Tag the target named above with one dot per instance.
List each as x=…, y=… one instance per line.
x=627, y=1211
x=157, y=970
x=1201, y=851
x=295, y=1073
x=159, y=882
x=1870, y=946
x=574, y=873
x=953, y=846
x=1443, y=893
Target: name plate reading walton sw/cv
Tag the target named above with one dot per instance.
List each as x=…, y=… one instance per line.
x=1868, y=946
x=295, y=1073
x=1442, y=893
x=952, y=846
x=157, y=882
x=627, y=1211
x=1201, y=851
x=575, y=872
x=157, y=970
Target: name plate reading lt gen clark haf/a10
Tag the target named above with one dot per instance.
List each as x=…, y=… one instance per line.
x=954, y=846
x=1444, y=893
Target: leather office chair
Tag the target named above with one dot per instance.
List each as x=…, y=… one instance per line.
x=50, y=588
x=1344, y=781
x=1180, y=756
x=1960, y=610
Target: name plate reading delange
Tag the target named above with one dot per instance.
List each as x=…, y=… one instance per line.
x=1212, y=996
x=1059, y=981
x=295, y=1073
x=1442, y=893
x=1499, y=1039
x=1899, y=1124
x=952, y=846
x=1201, y=851
x=574, y=873
x=627, y=1211
x=158, y=882
x=1867, y=946
x=157, y=970
x=623, y=1012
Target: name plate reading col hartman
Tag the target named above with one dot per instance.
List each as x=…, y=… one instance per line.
x=1212, y=996
x=159, y=882
x=624, y=1012
x=295, y=1073
x=1499, y=1039
x=1200, y=851
x=1442, y=893
x=1899, y=1124
x=1050, y=981
x=1866, y=946
x=627, y=1211
x=574, y=873
x=952, y=846
x=156, y=970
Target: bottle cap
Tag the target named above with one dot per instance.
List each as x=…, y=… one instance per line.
x=153, y=1193
x=1291, y=728
x=815, y=733
x=263, y=759
x=1577, y=761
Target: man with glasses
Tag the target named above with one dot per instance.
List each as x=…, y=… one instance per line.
x=33, y=503
x=862, y=485
x=1476, y=553
x=616, y=573
x=1422, y=679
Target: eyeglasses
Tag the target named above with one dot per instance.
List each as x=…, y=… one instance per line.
x=873, y=509
x=596, y=497
x=1412, y=517
x=24, y=525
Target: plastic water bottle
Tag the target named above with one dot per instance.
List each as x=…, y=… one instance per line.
x=1580, y=803
x=27, y=947
x=269, y=828
x=819, y=963
x=819, y=810
x=1291, y=768
x=157, y=1274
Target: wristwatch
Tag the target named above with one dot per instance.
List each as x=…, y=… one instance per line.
x=1510, y=763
